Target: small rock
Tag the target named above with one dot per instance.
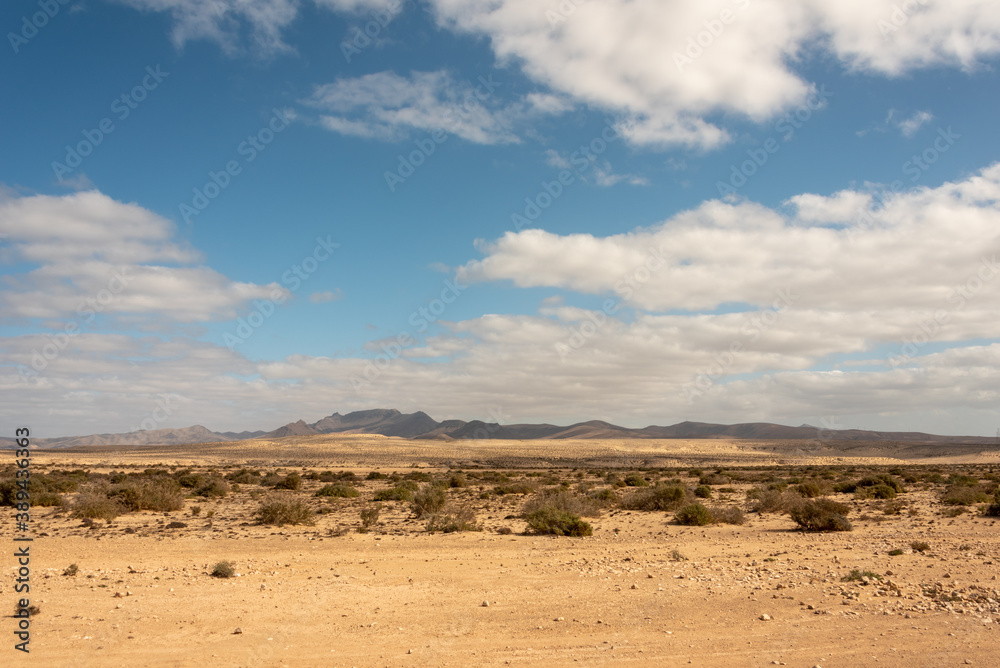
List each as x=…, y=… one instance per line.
x=634, y=586
x=486, y=604
x=237, y=631
x=765, y=618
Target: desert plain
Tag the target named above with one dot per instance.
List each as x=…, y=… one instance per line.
x=271, y=553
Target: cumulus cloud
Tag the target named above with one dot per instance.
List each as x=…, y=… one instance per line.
x=909, y=126
x=91, y=254
x=843, y=251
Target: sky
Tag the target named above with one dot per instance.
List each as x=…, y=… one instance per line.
x=240, y=213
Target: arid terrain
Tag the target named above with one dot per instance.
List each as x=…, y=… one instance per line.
x=377, y=551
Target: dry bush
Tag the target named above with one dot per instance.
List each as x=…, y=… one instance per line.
x=292, y=481
x=429, y=500
x=662, y=496
x=551, y=520
x=213, y=488
x=774, y=501
x=96, y=506
x=821, y=515
x=964, y=495
x=280, y=512
x=370, y=515
x=339, y=491
x=727, y=514
x=159, y=495
x=562, y=500
x=453, y=518
x=223, y=569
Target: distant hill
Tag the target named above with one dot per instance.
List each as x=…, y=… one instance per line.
x=390, y=422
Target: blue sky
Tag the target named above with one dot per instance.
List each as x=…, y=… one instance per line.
x=275, y=262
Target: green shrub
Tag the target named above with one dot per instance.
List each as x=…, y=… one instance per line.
x=694, y=515
x=703, y=492
x=71, y=570
x=399, y=493
x=604, y=496
x=515, y=488
x=159, y=495
x=291, y=481
x=920, y=546
x=280, y=512
x=223, y=569
x=821, y=515
x=375, y=475
x=856, y=576
x=557, y=522
x=562, y=500
x=963, y=495
x=457, y=480
x=993, y=510
x=895, y=553
x=339, y=490
x=809, y=490
x=662, y=496
x=635, y=480
x=428, y=500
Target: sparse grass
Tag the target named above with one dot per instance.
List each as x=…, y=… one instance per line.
x=675, y=555
x=223, y=569
x=280, y=512
x=920, y=546
x=451, y=519
x=858, y=575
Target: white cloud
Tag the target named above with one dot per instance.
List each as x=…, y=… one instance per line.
x=388, y=106
x=838, y=252
x=87, y=246
x=909, y=126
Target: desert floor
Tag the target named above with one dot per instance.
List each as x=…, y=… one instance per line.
x=642, y=590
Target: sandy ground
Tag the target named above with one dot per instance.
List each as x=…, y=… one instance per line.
x=752, y=595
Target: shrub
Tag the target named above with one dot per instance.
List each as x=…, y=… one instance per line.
x=71, y=570
x=223, y=569
x=280, y=512
x=809, y=490
x=993, y=510
x=550, y=520
x=880, y=491
x=895, y=553
x=505, y=531
x=515, y=488
x=703, y=492
x=604, y=496
x=245, y=477
x=457, y=480
x=369, y=515
x=662, y=496
x=291, y=481
x=429, y=500
x=963, y=495
x=562, y=500
x=176, y=525
x=821, y=515
x=775, y=501
x=694, y=515
x=159, y=495
x=727, y=514
x=189, y=480
x=96, y=506
x=394, y=494
x=856, y=576
x=375, y=475
x=214, y=488
x=635, y=480
x=46, y=500
x=339, y=490
x=453, y=519
x=920, y=546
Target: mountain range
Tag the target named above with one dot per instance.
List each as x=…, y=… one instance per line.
x=390, y=422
